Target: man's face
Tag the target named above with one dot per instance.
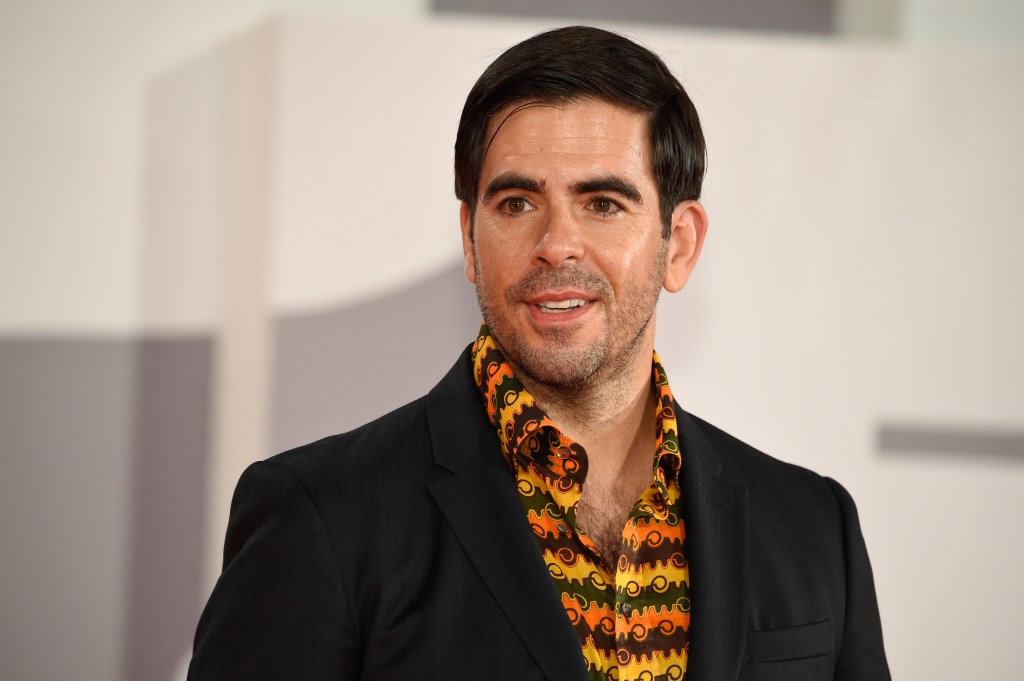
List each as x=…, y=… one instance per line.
x=567, y=251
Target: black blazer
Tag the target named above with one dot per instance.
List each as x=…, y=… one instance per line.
x=400, y=551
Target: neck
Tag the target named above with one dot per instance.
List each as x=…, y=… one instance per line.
x=607, y=414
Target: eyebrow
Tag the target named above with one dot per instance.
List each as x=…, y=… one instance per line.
x=507, y=181
x=609, y=183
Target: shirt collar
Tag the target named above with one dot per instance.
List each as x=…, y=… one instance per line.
x=518, y=419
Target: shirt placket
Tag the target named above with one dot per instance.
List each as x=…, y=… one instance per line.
x=628, y=610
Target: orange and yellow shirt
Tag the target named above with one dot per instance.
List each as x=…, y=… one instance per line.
x=633, y=621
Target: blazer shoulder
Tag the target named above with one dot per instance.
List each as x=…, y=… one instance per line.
x=392, y=447
x=766, y=477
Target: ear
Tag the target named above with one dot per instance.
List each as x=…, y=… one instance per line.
x=466, y=221
x=689, y=225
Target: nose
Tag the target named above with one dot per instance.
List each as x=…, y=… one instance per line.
x=560, y=240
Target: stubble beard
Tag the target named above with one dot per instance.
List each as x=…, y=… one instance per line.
x=558, y=362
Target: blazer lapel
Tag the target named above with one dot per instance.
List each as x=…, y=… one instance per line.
x=715, y=513
x=480, y=502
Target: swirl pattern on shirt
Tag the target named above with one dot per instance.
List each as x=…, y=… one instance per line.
x=633, y=622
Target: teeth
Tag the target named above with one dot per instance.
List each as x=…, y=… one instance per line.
x=561, y=305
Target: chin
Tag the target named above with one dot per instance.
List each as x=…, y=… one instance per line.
x=555, y=362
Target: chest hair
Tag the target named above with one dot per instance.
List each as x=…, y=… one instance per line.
x=602, y=513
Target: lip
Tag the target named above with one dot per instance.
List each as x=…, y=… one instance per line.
x=558, y=297
x=542, y=318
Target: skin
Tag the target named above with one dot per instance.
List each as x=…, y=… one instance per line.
x=569, y=212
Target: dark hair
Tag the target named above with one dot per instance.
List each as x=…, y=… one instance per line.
x=576, y=63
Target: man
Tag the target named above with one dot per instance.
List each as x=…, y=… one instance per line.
x=547, y=511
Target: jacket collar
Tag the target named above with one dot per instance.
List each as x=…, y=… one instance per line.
x=480, y=502
x=715, y=513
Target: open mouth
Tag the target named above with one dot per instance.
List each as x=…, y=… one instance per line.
x=560, y=306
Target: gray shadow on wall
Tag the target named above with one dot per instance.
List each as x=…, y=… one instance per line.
x=171, y=435
x=65, y=425
x=337, y=369
x=900, y=438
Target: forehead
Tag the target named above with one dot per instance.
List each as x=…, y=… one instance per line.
x=573, y=138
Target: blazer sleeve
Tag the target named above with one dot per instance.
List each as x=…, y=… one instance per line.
x=862, y=655
x=278, y=610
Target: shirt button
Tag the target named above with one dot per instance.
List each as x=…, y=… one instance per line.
x=562, y=527
x=563, y=453
x=626, y=609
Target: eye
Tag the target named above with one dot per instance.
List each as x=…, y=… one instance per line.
x=515, y=205
x=605, y=206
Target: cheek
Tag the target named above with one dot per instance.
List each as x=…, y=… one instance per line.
x=507, y=250
x=499, y=254
x=495, y=263
x=621, y=258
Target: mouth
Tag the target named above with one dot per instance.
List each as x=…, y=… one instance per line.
x=560, y=306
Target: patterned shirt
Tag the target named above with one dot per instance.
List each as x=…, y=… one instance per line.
x=633, y=622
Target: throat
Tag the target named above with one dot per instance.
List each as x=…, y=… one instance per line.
x=618, y=472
